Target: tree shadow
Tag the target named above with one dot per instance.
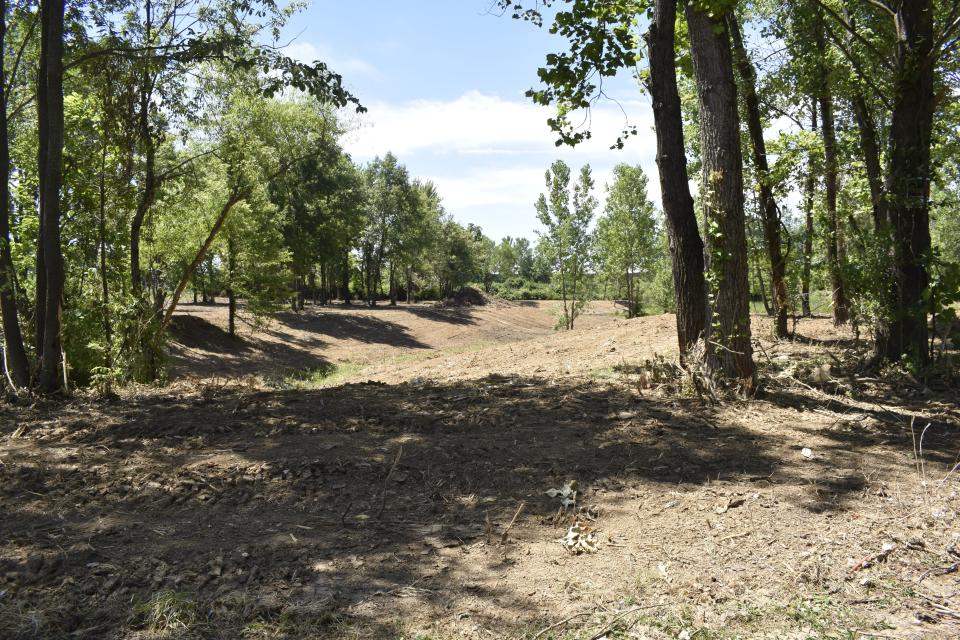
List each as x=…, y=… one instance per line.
x=362, y=327
x=352, y=506
x=194, y=332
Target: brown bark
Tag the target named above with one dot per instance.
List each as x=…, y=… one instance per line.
x=16, y=365
x=345, y=294
x=830, y=177
x=770, y=213
x=722, y=196
x=908, y=184
x=686, y=246
x=148, y=193
x=50, y=133
x=231, y=294
x=871, y=156
x=104, y=283
x=809, y=186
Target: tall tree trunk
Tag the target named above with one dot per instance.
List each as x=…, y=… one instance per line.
x=871, y=156
x=768, y=205
x=686, y=246
x=908, y=185
x=768, y=309
x=809, y=187
x=50, y=133
x=231, y=293
x=148, y=190
x=830, y=177
x=346, y=278
x=104, y=281
x=722, y=195
x=393, y=284
x=16, y=365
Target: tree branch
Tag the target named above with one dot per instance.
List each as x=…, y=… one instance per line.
x=849, y=28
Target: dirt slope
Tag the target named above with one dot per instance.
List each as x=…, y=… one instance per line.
x=418, y=508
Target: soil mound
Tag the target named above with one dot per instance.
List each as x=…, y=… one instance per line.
x=467, y=297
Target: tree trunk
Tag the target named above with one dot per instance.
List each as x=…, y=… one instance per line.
x=410, y=297
x=393, y=285
x=233, y=199
x=908, y=185
x=686, y=246
x=16, y=365
x=346, y=278
x=763, y=291
x=871, y=156
x=770, y=213
x=231, y=295
x=722, y=195
x=104, y=282
x=825, y=98
x=50, y=133
x=148, y=192
x=809, y=187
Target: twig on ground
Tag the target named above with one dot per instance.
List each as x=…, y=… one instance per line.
x=386, y=481
x=939, y=571
x=561, y=623
x=619, y=617
x=503, y=536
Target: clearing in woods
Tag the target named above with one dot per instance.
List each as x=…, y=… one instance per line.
x=383, y=473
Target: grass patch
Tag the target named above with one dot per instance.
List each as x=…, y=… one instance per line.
x=168, y=612
x=319, y=376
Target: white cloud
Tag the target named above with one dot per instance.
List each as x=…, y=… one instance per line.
x=487, y=155
x=345, y=66
x=480, y=124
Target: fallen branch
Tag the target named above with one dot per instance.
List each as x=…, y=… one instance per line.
x=561, y=623
x=607, y=629
x=386, y=482
x=503, y=536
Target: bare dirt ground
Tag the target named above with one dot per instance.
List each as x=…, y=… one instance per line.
x=332, y=336
x=407, y=498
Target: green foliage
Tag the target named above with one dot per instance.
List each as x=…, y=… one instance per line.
x=517, y=288
x=627, y=234
x=603, y=41
x=566, y=243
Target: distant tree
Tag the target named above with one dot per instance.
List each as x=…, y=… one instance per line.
x=389, y=200
x=525, y=258
x=626, y=234
x=566, y=242
x=505, y=258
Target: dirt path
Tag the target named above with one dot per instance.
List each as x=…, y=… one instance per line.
x=373, y=510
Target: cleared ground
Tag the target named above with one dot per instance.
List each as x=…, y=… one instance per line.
x=395, y=486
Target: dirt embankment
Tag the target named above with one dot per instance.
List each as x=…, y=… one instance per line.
x=419, y=508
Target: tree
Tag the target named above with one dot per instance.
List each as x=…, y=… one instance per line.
x=721, y=194
x=769, y=212
x=831, y=169
x=566, y=241
x=50, y=132
x=626, y=235
x=388, y=185
x=15, y=362
x=686, y=245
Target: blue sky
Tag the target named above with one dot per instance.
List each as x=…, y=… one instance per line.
x=443, y=81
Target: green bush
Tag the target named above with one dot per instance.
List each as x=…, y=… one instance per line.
x=517, y=288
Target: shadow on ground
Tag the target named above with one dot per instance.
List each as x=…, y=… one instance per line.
x=306, y=511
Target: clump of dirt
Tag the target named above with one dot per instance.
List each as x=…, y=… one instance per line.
x=467, y=297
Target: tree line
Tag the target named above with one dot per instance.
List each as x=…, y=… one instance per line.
x=158, y=149
x=154, y=149
x=869, y=90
